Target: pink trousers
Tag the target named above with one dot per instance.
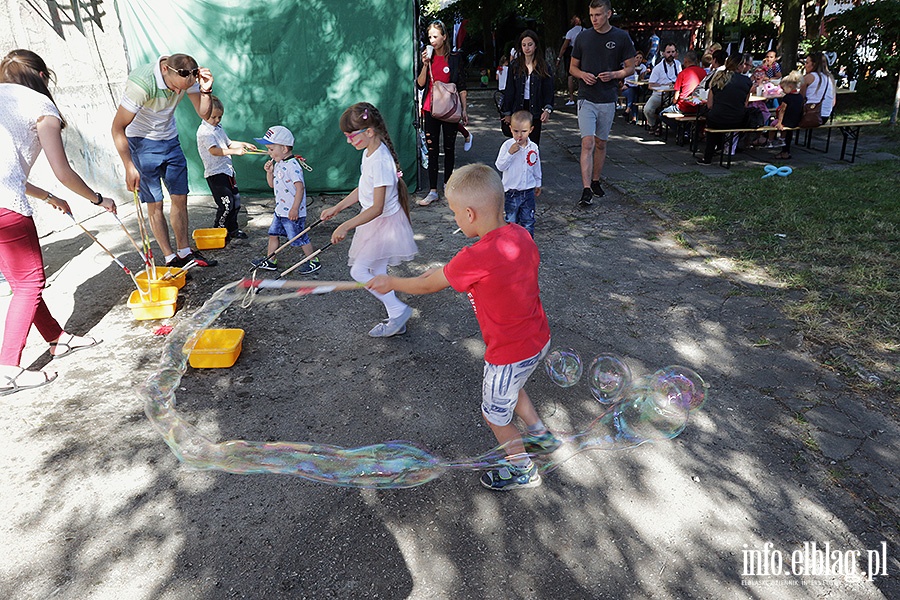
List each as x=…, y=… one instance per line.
x=23, y=266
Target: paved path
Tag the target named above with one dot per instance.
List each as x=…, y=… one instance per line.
x=783, y=456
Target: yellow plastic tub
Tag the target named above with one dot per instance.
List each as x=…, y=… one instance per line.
x=177, y=281
x=210, y=239
x=160, y=305
x=217, y=349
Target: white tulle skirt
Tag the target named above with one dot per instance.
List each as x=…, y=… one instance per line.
x=387, y=238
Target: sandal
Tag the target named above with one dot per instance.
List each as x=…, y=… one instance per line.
x=782, y=156
x=70, y=347
x=11, y=385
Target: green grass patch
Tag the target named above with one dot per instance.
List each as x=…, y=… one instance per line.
x=833, y=235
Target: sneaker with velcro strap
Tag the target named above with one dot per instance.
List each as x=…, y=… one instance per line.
x=509, y=477
x=540, y=443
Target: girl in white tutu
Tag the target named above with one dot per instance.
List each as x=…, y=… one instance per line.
x=383, y=234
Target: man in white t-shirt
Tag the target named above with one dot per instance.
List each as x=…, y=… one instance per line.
x=146, y=138
x=565, y=55
x=662, y=76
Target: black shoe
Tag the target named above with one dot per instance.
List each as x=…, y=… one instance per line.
x=267, y=264
x=177, y=262
x=595, y=187
x=237, y=234
x=200, y=260
x=310, y=267
x=703, y=162
x=587, y=197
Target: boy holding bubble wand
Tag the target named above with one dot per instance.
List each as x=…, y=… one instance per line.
x=216, y=149
x=499, y=273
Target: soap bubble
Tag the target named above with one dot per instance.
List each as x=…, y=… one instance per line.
x=649, y=414
x=683, y=382
x=610, y=377
x=563, y=366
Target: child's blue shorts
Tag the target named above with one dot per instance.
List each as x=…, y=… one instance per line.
x=284, y=227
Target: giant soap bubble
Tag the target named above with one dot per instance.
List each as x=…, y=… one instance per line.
x=654, y=409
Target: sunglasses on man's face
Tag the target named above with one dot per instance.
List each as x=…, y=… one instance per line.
x=185, y=72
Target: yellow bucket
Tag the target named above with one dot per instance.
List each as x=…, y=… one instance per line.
x=210, y=239
x=217, y=349
x=160, y=305
x=177, y=281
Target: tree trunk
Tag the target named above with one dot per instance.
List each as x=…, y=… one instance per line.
x=790, y=34
x=896, y=103
x=711, y=14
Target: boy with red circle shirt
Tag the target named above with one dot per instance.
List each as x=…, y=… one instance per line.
x=499, y=273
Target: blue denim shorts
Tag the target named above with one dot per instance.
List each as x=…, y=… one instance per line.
x=284, y=227
x=159, y=160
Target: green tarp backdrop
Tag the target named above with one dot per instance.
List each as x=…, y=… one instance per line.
x=297, y=63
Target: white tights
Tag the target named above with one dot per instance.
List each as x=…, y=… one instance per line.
x=363, y=273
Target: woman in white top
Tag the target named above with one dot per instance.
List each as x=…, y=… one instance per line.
x=818, y=84
x=29, y=123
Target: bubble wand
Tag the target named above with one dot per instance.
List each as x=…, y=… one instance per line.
x=305, y=260
x=143, y=294
x=289, y=242
x=147, y=260
x=173, y=274
x=299, y=158
x=145, y=238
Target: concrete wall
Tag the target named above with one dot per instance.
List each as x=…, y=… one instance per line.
x=90, y=72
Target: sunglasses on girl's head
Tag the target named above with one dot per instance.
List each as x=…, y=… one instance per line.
x=185, y=72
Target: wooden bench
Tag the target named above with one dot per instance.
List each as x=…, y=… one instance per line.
x=849, y=130
x=681, y=121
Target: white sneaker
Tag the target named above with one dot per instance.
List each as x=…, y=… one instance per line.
x=570, y=103
x=468, y=145
x=431, y=197
x=392, y=327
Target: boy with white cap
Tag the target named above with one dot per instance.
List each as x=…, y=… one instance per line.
x=285, y=175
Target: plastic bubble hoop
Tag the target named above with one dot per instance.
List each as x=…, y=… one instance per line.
x=653, y=408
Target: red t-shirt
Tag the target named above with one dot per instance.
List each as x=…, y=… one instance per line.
x=440, y=67
x=499, y=273
x=685, y=84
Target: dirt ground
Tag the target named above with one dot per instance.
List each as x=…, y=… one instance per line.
x=97, y=506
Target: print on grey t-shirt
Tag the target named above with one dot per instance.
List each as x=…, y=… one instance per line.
x=598, y=53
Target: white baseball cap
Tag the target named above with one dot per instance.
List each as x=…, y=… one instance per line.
x=277, y=135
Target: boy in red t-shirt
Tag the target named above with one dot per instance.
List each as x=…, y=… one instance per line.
x=499, y=273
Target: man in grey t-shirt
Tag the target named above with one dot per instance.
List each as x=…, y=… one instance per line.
x=602, y=56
